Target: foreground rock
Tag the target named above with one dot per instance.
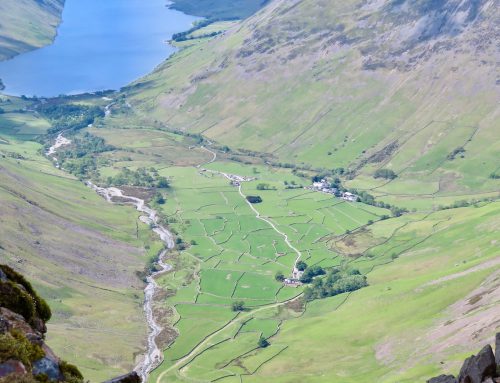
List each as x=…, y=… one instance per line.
x=131, y=377
x=481, y=368
x=24, y=356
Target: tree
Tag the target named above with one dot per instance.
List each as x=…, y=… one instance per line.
x=280, y=277
x=263, y=343
x=254, y=199
x=193, y=242
x=301, y=265
x=263, y=186
x=162, y=183
x=385, y=173
x=310, y=273
x=238, y=306
x=158, y=198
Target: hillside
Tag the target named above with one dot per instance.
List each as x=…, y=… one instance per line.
x=409, y=86
x=82, y=254
x=395, y=98
x=27, y=24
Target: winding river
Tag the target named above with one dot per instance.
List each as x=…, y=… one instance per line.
x=153, y=356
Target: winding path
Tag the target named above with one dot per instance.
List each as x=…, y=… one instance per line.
x=240, y=179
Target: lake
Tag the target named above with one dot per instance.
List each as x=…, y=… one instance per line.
x=101, y=44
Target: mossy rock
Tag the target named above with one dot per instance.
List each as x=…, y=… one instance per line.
x=41, y=308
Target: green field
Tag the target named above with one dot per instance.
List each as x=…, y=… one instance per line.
x=298, y=90
x=431, y=260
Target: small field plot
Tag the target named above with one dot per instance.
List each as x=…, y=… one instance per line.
x=257, y=286
x=219, y=282
x=22, y=125
x=266, y=327
x=197, y=321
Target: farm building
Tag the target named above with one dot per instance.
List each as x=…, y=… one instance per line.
x=349, y=197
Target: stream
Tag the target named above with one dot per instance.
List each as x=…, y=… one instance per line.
x=153, y=356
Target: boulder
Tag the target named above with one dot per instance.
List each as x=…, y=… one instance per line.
x=131, y=377
x=476, y=368
x=47, y=367
x=17, y=321
x=443, y=379
x=12, y=367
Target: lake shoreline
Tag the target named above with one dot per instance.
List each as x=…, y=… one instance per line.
x=120, y=43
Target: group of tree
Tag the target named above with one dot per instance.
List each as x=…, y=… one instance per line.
x=254, y=199
x=264, y=186
x=337, y=281
x=187, y=35
x=69, y=116
x=367, y=198
x=80, y=158
x=238, y=306
x=388, y=174
x=141, y=177
x=158, y=198
x=301, y=265
x=279, y=276
x=291, y=185
x=311, y=272
x=458, y=151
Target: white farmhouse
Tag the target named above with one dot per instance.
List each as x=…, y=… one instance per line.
x=349, y=197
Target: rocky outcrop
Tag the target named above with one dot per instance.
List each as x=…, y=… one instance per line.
x=497, y=349
x=481, y=368
x=443, y=379
x=24, y=356
x=131, y=377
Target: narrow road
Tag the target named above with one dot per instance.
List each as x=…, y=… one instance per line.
x=257, y=213
x=284, y=235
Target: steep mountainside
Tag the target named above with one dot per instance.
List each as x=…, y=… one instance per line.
x=27, y=24
x=82, y=254
x=361, y=84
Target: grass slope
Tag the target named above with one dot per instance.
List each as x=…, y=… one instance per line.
x=432, y=274
x=81, y=253
x=331, y=84
x=27, y=24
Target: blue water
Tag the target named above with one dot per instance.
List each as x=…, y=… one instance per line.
x=101, y=44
